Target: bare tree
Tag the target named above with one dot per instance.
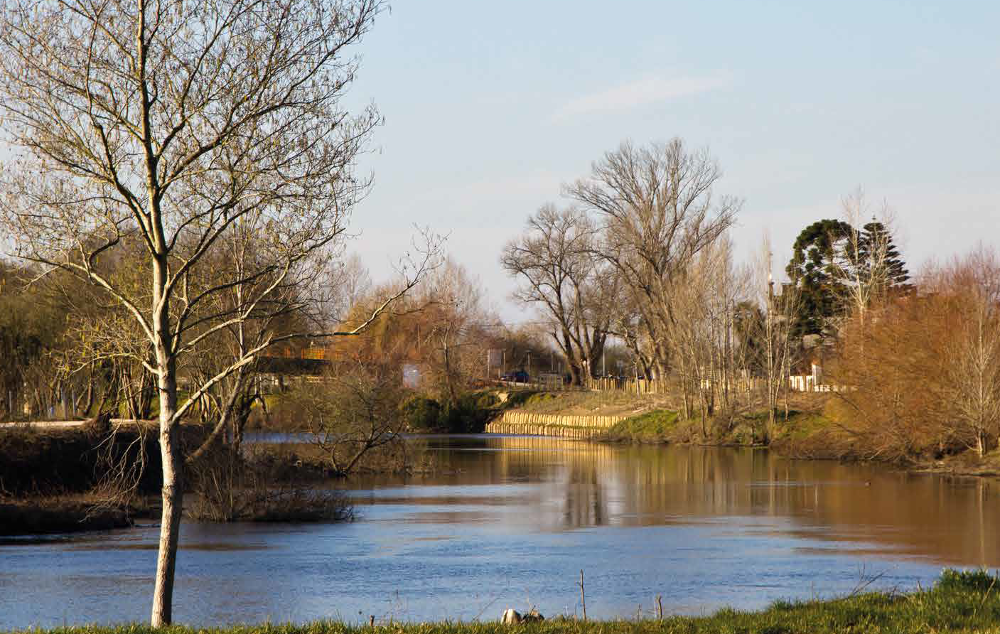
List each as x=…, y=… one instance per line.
x=972, y=364
x=455, y=335
x=701, y=336
x=657, y=212
x=923, y=371
x=864, y=269
x=775, y=331
x=356, y=412
x=177, y=125
x=555, y=259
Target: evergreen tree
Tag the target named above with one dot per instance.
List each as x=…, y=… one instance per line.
x=814, y=270
x=874, y=236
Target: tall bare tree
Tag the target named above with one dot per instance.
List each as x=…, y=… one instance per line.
x=177, y=124
x=455, y=339
x=775, y=331
x=555, y=260
x=657, y=211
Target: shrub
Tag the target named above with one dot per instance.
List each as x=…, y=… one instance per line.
x=253, y=486
x=421, y=413
x=977, y=580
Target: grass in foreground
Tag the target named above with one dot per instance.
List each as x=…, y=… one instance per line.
x=959, y=602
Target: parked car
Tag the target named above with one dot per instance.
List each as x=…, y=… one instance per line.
x=519, y=376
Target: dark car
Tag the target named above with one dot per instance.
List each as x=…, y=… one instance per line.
x=520, y=376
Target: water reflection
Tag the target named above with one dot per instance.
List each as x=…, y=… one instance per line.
x=505, y=520
x=579, y=485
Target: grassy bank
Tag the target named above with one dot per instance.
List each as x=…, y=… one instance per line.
x=655, y=426
x=959, y=602
x=796, y=434
x=809, y=433
x=581, y=402
x=61, y=514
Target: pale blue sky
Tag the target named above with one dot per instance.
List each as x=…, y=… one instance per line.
x=490, y=107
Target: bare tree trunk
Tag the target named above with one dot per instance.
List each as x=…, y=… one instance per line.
x=170, y=524
x=170, y=453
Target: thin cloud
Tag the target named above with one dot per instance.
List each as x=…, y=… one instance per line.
x=644, y=92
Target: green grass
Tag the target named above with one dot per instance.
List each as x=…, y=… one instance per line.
x=801, y=425
x=959, y=602
x=577, y=402
x=652, y=426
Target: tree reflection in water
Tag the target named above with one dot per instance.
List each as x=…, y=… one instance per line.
x=570, y=484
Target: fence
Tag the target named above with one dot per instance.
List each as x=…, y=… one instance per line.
x=796, y=383
x=634, y=386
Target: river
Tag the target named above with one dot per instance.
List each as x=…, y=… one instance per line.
x=511, y=522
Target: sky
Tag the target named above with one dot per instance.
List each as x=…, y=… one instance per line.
x=491, y=107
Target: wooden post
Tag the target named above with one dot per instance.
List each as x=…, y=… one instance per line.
x=583, y=596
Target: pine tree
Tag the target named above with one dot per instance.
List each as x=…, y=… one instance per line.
x=875, y=235
x=813, y=269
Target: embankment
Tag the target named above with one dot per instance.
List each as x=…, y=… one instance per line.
x=63, y=478
x=59, y=515
x=40, y=461
x=565, y=426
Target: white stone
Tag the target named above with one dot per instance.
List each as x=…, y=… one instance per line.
x=510, y=617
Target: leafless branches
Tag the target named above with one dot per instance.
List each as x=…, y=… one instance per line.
x=557, y=263
x=210, y=139
x=656, y=211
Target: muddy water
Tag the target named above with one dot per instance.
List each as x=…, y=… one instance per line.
x=511, y=521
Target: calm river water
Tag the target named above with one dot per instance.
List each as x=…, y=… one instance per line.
x=511, y=521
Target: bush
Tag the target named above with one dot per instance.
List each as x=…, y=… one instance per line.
x=58, y=461
x=469, y=414
x=976, y=580
x=421, y=413
x=461, y=417
x=487, y=400
x=253, y=486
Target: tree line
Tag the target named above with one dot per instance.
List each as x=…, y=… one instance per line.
x=641, y=254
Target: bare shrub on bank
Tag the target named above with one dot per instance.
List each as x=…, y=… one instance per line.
x=924, y=370
x=354, y=416
x=252, y=486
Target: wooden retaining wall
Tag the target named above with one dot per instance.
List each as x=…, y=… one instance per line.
x=514, y=422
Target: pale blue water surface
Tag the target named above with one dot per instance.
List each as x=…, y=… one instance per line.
x=511, y=521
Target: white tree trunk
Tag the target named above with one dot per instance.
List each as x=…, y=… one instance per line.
x=170, y=523
x=170, y=453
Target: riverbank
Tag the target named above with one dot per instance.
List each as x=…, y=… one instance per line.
x=66, y=514
x=960, y=602
x=808, y=430
x=53, y=477
x=82, y=477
